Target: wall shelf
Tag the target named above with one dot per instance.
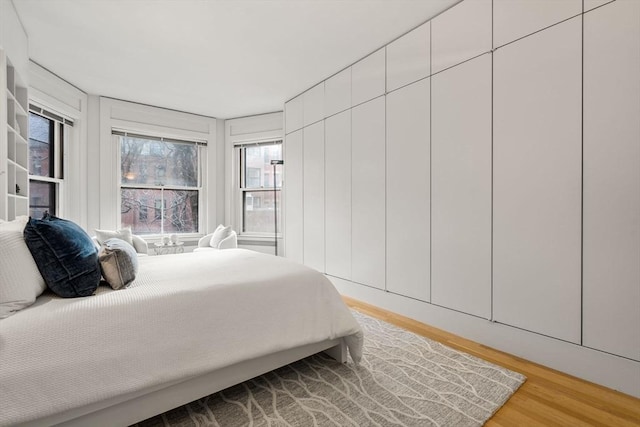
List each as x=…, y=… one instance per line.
x=14, y=146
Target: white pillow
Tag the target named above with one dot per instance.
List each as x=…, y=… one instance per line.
x=123, y=234
x=20, y=279
x=219, y=235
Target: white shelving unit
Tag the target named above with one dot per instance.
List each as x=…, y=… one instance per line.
x=14, y=145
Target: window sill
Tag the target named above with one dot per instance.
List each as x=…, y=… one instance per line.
x=157, y=238
x=253, y=239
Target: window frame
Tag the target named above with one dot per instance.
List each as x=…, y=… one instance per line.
x=240, y=189
x=201, y=147
x=61, y=129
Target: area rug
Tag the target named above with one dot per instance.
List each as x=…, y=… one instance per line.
x=403, y=380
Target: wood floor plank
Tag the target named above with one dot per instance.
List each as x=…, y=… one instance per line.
x=578, y=408
x=548, y=397
x=509, y=416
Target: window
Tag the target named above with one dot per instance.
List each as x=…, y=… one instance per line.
x=259, y=196
x=160, y=186
x=47, y=133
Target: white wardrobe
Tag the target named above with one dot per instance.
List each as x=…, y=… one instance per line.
x=487, y=162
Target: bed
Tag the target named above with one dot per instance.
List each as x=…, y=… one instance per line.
x=189, y=325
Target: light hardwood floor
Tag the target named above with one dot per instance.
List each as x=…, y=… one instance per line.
x=547, y=398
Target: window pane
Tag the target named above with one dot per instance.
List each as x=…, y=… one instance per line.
x=150, y=162
x=258, y=211
x=181, y=211
x=137, y=207
x=151, y=211
x=42, y=198
x=41, y=145
x=258, y=169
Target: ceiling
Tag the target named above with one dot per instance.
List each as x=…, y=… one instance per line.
x=219, y=58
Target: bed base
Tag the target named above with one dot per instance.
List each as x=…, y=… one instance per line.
x=130, y=409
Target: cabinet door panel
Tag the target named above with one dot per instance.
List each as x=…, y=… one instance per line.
x=313, y=103
x=592, y=4
x=461, y=187
x=460, y=33
x=337, y=95
x=537, y=182
x=611, y=263
x=409, y=57
x=293, y=111
x=408, y=197
x=338, y=195
x=368, y=78
x=368, y=194
x=513, y=19
x=313, y=182
x=293, y=161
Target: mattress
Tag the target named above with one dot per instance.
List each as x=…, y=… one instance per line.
x=183, y=316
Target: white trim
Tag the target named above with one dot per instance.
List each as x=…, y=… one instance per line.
x=602, y=368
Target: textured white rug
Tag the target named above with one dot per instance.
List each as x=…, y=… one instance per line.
x=404, y=380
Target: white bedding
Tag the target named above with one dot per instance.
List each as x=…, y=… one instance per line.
x=183, y=316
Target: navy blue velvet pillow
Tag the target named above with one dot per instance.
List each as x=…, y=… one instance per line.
x=65, y=255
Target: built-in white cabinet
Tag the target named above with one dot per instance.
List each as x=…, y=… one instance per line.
x=313, y=188
x=368, y=78
x=461, y=187
x=513, y=19
x=293, y=113
x=611, y=227
x=14, y=146
x=460, y=33
x=337, y=93
x=409, y=57
x=537, y=182
x=293, y=197
x=338, y=195
x=368, y=193
x=408, y=194
x=14, y=118
x=313, y=104
x=486, y=165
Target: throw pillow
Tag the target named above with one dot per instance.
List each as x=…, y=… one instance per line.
x=122, y=234
x=20, y=280
x=219, y=235
x=118, y=262
x=65, y=256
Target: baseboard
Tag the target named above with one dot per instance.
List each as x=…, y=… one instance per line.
x=611, y=371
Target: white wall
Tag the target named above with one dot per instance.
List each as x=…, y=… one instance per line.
x=509, y=219
x=51, y=92
x=13, y=39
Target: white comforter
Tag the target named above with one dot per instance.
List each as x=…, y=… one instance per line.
x=185, y=315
